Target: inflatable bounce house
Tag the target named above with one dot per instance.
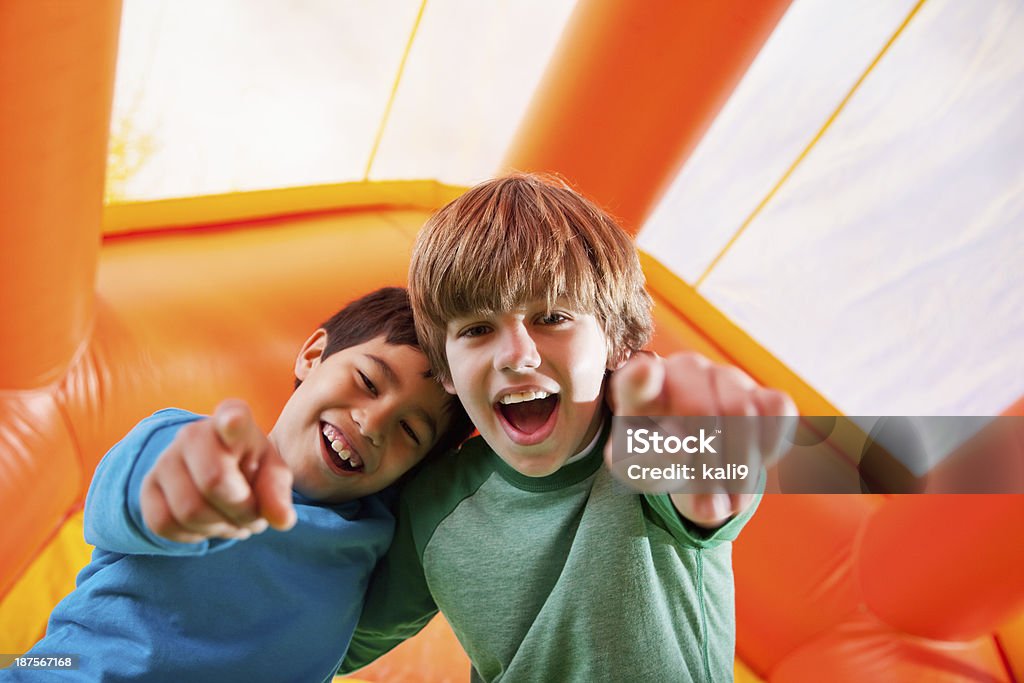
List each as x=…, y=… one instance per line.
x=828, y=195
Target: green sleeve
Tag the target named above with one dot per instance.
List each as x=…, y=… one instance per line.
x=664, y=514
x=398, y=603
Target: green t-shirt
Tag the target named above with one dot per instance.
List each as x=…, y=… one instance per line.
x=568, y=577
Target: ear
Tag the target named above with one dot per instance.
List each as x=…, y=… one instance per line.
x=449, y=386
x=309, y=355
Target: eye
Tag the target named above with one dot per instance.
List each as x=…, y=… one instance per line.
x=370, y=386
x=553, y=319
x=474, y=331
x=410, y=432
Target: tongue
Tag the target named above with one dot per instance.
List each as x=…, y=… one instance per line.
x=529, y=416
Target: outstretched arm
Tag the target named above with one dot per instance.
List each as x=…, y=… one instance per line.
x=144, y=499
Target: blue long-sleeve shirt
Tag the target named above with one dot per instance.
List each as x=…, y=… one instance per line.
x=280, y=606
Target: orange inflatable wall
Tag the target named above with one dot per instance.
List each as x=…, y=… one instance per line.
x=178, y=308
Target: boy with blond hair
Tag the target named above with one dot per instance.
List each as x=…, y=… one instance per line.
x=527, y=297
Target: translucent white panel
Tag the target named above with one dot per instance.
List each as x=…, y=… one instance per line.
x=224, y=95
x=887, y=270
x=806, y=67
x=471, y=73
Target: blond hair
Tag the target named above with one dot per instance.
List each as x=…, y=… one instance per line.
x=522, y=238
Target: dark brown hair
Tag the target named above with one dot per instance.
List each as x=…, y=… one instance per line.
x=386, y=312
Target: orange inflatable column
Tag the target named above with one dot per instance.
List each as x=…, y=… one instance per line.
x=631, y=89
x=945, y=566
x=56, y=87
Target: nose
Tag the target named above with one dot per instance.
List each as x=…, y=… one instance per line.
x=517, y=350
x=371, y=421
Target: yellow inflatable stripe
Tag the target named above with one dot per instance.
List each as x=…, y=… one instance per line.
x=741, y=674
x=394, y=91
x=25, y=610
x=734, y=342
x=134, y=217
x=810, y=145
x=724, y=338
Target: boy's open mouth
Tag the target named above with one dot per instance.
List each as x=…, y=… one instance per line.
x=338, y=450
x=528, y=416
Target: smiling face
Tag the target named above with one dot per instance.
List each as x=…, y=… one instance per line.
x=360, y=419
x=531, y=380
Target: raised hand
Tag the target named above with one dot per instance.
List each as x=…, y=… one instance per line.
x=220, y=477
x=688, y=384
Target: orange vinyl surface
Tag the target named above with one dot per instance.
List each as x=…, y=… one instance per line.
x=56, y=86
x=97, y=335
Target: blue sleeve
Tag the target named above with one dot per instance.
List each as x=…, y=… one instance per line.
x=113, y=514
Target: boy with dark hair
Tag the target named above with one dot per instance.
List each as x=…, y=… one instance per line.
x=180, y=589
x=526, y=297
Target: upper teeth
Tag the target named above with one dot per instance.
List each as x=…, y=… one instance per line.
x=337, y=444
x=522, y=396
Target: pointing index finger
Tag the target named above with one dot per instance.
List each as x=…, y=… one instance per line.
x=236, y=429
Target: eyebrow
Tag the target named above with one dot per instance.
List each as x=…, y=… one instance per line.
x=382, y=365
x=392, y=378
